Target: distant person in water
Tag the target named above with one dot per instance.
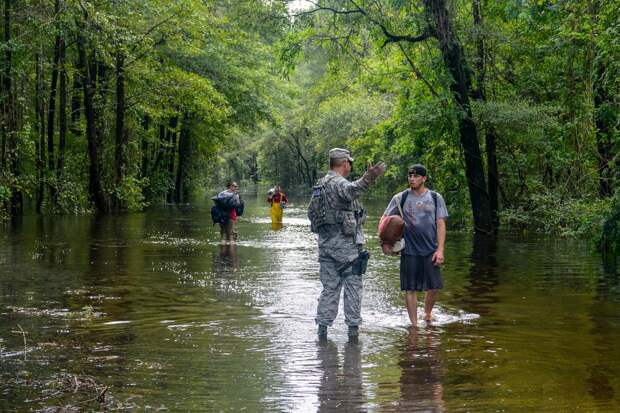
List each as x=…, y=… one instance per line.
x=424, y=212
x=278, y=201
x=231, y=206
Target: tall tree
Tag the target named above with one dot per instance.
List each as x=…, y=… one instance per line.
x=120, y=159
x=606, y=71
x=479, y=93
x=184, y=158
x=454, y=59
x=62, y=115
x=40, y=129
x=51, y=109
x=95, y=185
x=10, y=157
x=439, y=25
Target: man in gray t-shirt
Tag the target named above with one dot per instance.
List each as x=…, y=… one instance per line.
x=424, y=213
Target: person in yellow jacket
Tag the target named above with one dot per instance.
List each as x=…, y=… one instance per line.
x=278, y=201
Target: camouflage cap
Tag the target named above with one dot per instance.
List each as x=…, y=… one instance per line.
x=339, y=153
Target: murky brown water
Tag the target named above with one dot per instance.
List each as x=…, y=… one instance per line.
x=152, y=308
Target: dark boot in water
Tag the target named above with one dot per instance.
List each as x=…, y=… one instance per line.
x=354, y=331
x=322, y=332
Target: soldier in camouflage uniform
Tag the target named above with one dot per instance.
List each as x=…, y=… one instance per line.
x=341, y=240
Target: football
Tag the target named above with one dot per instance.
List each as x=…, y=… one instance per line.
x=391, y=228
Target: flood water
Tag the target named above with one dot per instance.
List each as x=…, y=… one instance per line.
x=148, y=312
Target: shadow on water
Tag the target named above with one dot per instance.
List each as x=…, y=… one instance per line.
x=610, y=262
x=479, y=295
x=340, y=388
x=604, y=319
x=421, y=378
x=226, y=259
x=109, y=265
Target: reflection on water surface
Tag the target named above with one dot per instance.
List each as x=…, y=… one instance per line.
x=154, y=312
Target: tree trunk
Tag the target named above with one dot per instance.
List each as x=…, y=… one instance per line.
x=184, y=159
x=5, y=83
x=606, y=116
x=454, y=59
x=172, y=150
x=298, y=146
x=161, y=150
x=479, y=93
x=120, y=161
x=95, y=186
x=51, y=109
x=144, y=168
x=10, y=156
x=62, y=116
x=76, y=107
x=493, y=174
x=40, y=128
x=146, y=164
x=100, y=103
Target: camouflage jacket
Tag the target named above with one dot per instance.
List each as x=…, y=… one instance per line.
x=342, y=240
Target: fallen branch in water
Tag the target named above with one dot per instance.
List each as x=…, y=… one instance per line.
x=23, y=333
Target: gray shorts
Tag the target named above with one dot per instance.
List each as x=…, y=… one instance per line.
x=418, y=273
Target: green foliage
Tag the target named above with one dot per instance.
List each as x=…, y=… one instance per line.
x=5, y=193
x=549, y=74
x=131, y=192
x=204, y=68
x=209, y=74
x=548, y=213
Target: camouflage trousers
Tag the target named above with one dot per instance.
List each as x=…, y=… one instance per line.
x=333, y=282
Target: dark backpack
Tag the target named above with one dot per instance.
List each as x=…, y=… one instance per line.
x=240, y=207
x=318, y=206
x=224, y=203
x=218, y=215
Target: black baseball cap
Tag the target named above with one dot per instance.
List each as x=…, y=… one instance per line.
x=417, y=169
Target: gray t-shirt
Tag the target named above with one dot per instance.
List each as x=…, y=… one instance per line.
x=420, y=221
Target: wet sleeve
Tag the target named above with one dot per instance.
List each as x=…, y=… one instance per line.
x=392, y=208
x=350, y=190
x=442, y=211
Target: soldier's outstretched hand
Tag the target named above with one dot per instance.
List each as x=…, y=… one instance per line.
x=373, y=172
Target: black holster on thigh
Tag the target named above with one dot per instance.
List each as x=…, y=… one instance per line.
x=358, y=265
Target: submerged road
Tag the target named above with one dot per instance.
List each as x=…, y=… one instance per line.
x=152, y=309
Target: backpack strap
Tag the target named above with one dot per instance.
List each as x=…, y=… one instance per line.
x=434, y=195
x=399, y=203
x=403, y=199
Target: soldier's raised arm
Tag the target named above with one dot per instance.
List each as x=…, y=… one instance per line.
x=352, y=190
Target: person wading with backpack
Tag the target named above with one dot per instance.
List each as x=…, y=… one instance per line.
x=228, y=206
x=424, y=212
x=337, y=217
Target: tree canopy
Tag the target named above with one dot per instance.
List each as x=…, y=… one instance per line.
x=512, y=105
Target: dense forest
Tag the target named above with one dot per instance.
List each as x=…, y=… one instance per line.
x=513, y=105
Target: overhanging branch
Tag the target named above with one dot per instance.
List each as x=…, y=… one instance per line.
x=417, y=72
x=318, y=8
x=389, y=36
